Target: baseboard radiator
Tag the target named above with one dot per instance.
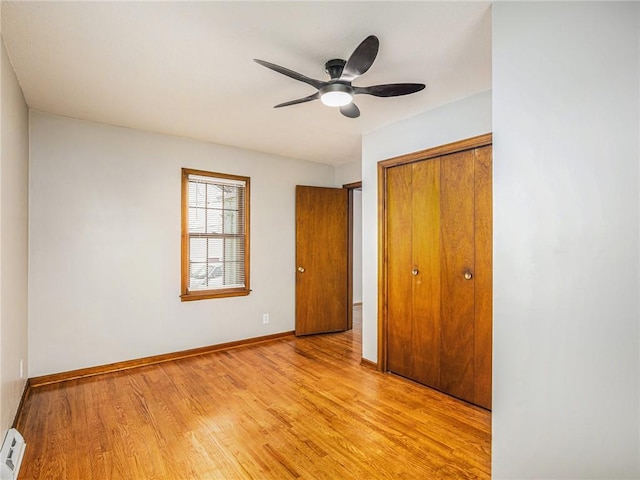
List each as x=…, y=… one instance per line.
x=11, y=455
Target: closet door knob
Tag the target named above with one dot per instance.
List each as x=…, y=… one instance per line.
x=468, y=275
x=414, y=272
x=301, y=269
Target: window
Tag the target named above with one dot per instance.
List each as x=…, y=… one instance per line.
x=215, y=235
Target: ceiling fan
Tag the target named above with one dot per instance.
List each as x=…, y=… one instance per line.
x=339, y=92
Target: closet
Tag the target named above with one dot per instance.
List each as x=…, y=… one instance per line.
x=437, y=268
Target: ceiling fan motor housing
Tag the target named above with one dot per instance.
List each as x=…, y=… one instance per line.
x=334, y=68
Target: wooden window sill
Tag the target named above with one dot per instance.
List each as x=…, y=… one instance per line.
x=206, y=294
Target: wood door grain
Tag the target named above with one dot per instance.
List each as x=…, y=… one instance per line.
x=322, y=223
x=400, y=265
x=437, y=221
x=458, y=297
x=483, y=276
x=426, y=252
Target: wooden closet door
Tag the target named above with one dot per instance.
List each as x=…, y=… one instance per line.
x=439, y=273
x=457, y=282
x=400, y=264
x=483, y=276
x=413, y=282
x=426, y=252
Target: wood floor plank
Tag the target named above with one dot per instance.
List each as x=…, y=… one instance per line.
x=293, y=408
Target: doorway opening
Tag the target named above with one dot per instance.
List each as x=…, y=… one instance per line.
x=355, y=262
x=355, y=259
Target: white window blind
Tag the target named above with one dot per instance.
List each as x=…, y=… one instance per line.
x=216, y=213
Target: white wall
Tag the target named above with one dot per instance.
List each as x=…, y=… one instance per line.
x=104, y=274
x=466, y=118
x=348, y=173
x=566, y=277
x=14, y=164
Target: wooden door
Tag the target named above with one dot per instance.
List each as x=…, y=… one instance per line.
x=437, y=263
x=483, y=279
x=427, y=269
x=457, y=263
x=413, y=274
x=322, y=223
x=399, y=283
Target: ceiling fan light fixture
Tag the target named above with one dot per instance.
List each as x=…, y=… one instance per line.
x=339, y=91
x=336, y=95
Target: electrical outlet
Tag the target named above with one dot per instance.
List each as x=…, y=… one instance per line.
x=265, y=318
x=22, y=368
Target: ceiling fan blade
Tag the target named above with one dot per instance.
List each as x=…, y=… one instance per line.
x=350, y=110
x=290, y=73
x=315, y=96
x=361, y=59
x=390, y=89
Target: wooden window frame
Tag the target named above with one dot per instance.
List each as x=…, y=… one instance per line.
x=186, y=294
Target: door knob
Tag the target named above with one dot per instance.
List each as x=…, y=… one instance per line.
x=301, y=269
x=414, y=272
x=468, y=275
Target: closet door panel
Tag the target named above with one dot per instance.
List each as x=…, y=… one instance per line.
x=426, y=274
x=399, y=278
x=483, y=276
x=457, y=244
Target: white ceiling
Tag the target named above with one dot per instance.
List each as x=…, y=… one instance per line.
x=186, y=68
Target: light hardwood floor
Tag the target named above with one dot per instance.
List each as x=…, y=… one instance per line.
x=290, y=408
